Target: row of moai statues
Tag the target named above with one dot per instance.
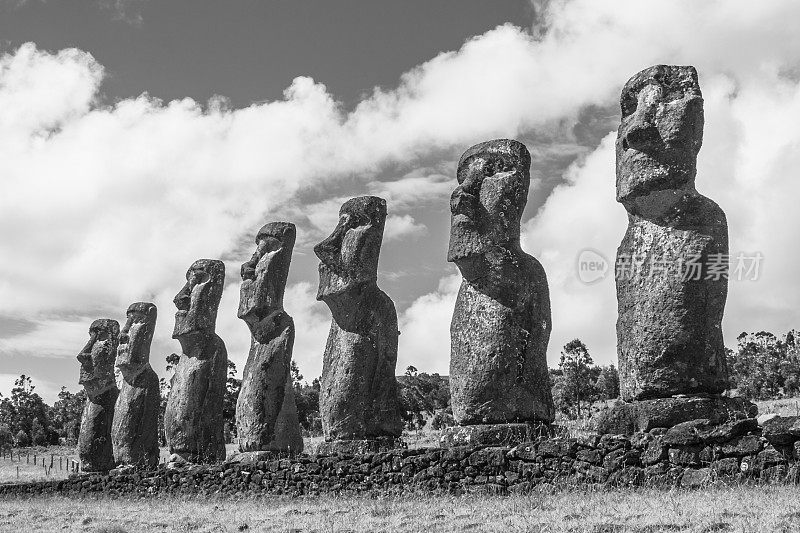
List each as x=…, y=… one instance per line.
x=119, y=426
x=670, y=348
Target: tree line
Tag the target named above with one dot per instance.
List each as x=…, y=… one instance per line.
x=763, y=366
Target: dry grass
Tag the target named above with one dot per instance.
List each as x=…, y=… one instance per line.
x=739, y=509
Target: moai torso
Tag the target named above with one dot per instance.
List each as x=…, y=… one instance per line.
x=97, y=377
x=501, y=322
x=262, y=411
x=135, y=428
x=672, y=262
x=193, y=421
x=358, y=396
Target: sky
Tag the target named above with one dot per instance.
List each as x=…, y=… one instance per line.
x=138, y=136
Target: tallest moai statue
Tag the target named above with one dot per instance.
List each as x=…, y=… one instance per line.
x=672, y=264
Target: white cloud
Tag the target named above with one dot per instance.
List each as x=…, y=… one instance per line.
x=312, y=321
x=425, y=329
x=102, y=205
x=399, y=227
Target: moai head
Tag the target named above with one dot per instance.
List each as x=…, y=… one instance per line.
x=349, y=257
x=97, y=357
x=133, y=354
x=660, y=133
x=264, y=276
x=198, y=300
x=486, y=206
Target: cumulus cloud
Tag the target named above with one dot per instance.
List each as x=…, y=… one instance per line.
x=398, y=227
x=425, y=329
x=106, y=204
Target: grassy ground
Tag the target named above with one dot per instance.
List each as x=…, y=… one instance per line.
x=740, y=509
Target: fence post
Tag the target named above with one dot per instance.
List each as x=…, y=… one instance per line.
x=17, y=472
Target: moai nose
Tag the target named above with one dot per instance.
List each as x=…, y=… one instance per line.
x=462, y=202
x=183, y=299
x=328, y=248
x=641, y=134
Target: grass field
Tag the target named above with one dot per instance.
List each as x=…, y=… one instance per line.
x=740, y=509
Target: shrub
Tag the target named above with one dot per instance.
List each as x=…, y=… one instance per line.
x=6, y=437
x=22, y=439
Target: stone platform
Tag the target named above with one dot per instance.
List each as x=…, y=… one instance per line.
x=359, y=447
x=492, y=434
x=693, y=454
x=632, y=417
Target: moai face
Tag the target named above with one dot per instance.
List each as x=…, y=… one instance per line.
x=486, y=206
x=198, y=300
x=660, y=133
x=97, y=357
x=264, y=276
x=133, y=354
x=349, y=257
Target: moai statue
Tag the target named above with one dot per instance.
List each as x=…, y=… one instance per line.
x=97, y=377
x=135, y=429
x=266, y=414
x=358, y=398
x=671, y=269
x=193, y=419
x=501, y=323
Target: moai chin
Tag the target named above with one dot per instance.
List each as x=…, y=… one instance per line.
x=358, y=398
x=135, y=428
x=97, y=377
x=266, y=414
x=501, y=323
x=193, y=419
x=672, y=263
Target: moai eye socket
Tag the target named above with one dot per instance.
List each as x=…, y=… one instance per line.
x=198, y=276
x=495, y=165
x=629, y=103
x=271, y=244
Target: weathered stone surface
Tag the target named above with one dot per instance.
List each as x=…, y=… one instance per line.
x=288, y=435
x=501, y=323
x=358, y=397
x=782, y=430
x=685, y=455
x=193, y=419
x=655, y=452
x=695, y=479
x=135, y=428
x=266, y=378
x=725, y=467
x=672, y=264
x=490, y=434
x=687, y=433
x=769, y=456
x=97, y=377
x=729, y=430
x=645, y=415
x=743, y=445
x=358, y=446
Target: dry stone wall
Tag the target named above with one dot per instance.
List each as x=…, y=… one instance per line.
x=692, y=454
